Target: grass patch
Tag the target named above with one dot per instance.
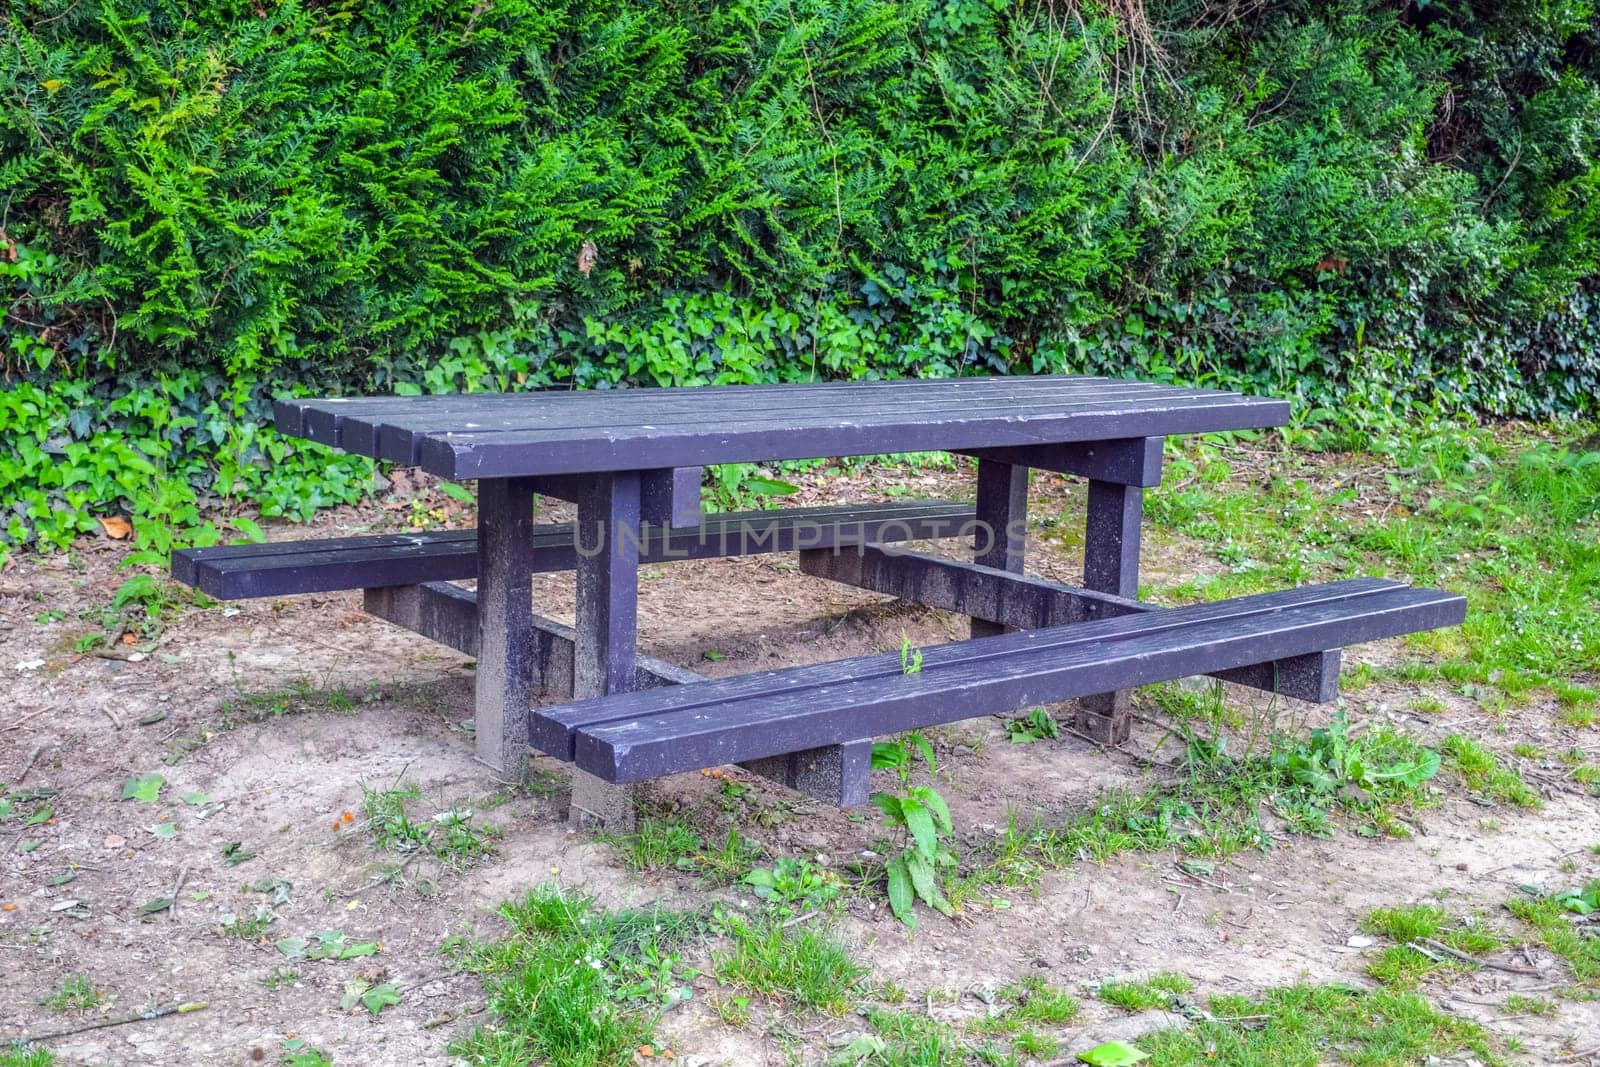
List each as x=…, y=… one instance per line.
x=907, y=1039
x=26, y=1057
x=1212, y=807
x=1156, y=991
x=797, y=965
x=1552, y=925
x=1483, y=773
x=1426, y=937
x=1029, y=1004
x=573, y=983
x=1501, y=516
x=1406, y=924
x=455, y=835
x=74, y=994
x=1301, y=1026
x=659, y=843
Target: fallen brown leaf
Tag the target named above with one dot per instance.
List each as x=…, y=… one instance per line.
x=116, y=527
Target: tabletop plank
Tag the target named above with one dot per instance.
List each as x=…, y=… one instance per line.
x=552, y=432
x=403, y=444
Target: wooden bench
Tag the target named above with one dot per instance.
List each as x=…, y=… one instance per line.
x=235, y=572
x=642, y=735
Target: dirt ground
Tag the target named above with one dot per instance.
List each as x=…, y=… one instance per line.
x=276, y=784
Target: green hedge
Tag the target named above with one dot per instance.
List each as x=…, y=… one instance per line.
x=1359, y=204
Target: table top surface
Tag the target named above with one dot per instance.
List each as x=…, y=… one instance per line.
x=505, y=435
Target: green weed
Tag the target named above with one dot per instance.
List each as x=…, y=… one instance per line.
x=1551, y=926
x=74, y=994
x=455, y=835
x=1037, y=725
x=921, y=821
x=26, y=1056
x=1300, y=1026
x=574, y=984
x=794, y=964
x=1483, y=773
x=1156, y=991
x=794, y=887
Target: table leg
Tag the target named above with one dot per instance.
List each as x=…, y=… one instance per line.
x=604, y=658
x=1002, y=514
x=1111, y=565
x=505, y=681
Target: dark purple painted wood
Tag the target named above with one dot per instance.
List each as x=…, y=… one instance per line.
x=505, y=682
x=671, y=497
x=608, y=541
x=488, y=455
x=387, y=423
x=1001, y=537
x=1130, y=461
x=991, y=675
x=564, y=433
x=448, y=614
x=1017, y=602
x=839, y=775
x=400, y=438
x=552, y=727
x=1313, y=676
x=281, y=568
x=1111, y=565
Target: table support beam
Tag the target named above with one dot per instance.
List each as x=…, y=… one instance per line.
x=1111, y=565
x=448, y=614
x=607, y=537
x=505, y=623
x=1002, y=514
x=1126, y=461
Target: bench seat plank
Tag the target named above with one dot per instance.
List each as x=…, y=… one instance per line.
x=646, y=735
x=554, y=729
x=234, y=572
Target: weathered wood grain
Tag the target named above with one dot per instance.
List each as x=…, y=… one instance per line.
x=1018, y=602
x=282, y=568
x=650, y=734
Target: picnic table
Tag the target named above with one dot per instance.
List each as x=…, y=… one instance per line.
x=631, y=461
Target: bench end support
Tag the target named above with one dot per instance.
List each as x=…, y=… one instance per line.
x=834, y=774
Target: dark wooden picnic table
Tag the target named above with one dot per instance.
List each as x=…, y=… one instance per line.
x=631, y=461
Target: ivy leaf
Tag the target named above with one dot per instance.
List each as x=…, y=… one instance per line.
x=151, y=907
x=234, y=853
x=145, y=788
x=1113, y=1054
x=379, y=997
x=901, y=896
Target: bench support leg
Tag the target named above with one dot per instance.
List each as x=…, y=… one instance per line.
x=603, y=662
x=505, y=682
x=833, y=774
x=1111, y=565
x=1001, y=535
